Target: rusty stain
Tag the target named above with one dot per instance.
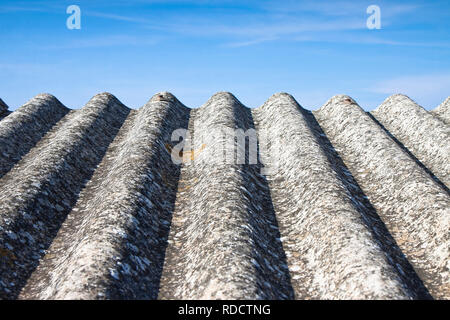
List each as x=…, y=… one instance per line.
x=8, y=255
x=348, y=101
x=187, y=156
x=187, y=187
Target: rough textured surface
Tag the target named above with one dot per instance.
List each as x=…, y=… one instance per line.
x=224, y=241
x=442, y=112
x=414, y=207
x=36, y=195
x=92, y=205
x=112, y=244
x=325, y=225
x=419, y=132
x=22, y=129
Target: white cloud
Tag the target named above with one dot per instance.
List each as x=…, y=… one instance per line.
x=117, y=17
x=238, y=44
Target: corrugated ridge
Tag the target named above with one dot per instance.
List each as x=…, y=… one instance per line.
x=424, y=135
x=23, y=128
x=224, y=241
x=112, y=244
x=442, y=112
x=37, y=194
x=413, y=206
x=331, y=252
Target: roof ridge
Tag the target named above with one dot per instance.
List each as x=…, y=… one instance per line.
x=165, y=96
x=222, y=95
x=395, y=100
x=340, y=100
x=443, y=105
x=276, y=97
x=106, y=99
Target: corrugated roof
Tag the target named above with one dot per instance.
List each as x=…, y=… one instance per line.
x=336, y=203
x=443, y=111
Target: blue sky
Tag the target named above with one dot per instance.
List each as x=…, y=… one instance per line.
x=311, y=49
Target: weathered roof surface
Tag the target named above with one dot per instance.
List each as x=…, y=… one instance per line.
x=419, y=131
x=338, y=204
x=442, y=112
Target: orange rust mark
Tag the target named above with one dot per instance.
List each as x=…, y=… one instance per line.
x=186, y=156
x=181, y=189
x=8, y=255
x=348, y=101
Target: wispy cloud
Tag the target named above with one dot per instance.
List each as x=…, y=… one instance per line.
x=369, y=40
x=237, y=24
x=290, y=32
x=248, y=34
x=428, y=87
x=291, y=21
x=338, y=8
x=32, y=6
x=274, y=21
x=11, y=9
x=249, y=42
x=273, y=29
x=118, y=17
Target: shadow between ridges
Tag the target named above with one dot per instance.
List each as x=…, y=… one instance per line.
x=166, y=175
x=412, y=156
x=396, y=258
x=280, y=284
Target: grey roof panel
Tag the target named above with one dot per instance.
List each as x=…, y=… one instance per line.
x=414, y=207
x=224, y=243
x=92, y=205
x=22, y=129
x=419, y=131
x=36, y=195
x=331, y=251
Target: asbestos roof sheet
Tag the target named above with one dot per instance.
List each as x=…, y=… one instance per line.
x=337, y=203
